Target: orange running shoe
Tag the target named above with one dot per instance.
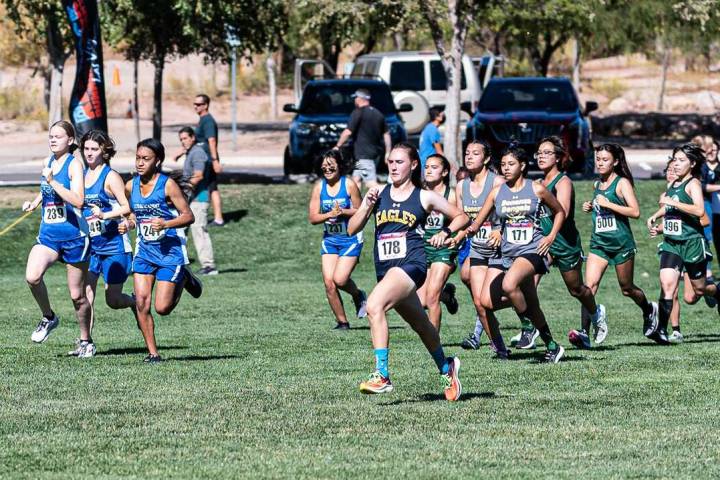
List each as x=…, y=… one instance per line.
x=451, y=380
x=377, y=383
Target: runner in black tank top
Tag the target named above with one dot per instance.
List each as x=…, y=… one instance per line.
x=524, y=248
x=399, y=208
x=471, y=195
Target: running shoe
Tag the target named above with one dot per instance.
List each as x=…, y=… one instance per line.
x=208, y=271
x=660, y=337
x=502, y=354
x=650, y=322
x=451, y=380
x=193, y=285
x=580, y=339
x=76, y=352
x=676, y=337
x=87, y=350
x=376, y=384
x=215, y=223
x=342, y=326
x=527, y=339
x=515, y=340
x=710, y=300
x=451, y=302
x=361, y=307
x=554, y=356
x=43, y=329
x=152, y=359
x=471, y=342
x=600, y=326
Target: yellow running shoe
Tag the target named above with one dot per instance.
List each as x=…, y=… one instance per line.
x=451, y=380
x=376, y=384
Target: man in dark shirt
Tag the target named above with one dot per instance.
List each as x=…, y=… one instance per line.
x=371, y=139
x=206, y=135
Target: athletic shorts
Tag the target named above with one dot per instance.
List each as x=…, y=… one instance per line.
x=212, y=185
x=567, y=262
x=615, y=258
x=463, y=252
x=689, y=255
x=440, y=255
x=417, y=273
x=163, y=273
x=341, y=246
x=115, y=269
x=539, y=262
x=490, y=262
x=70, y=251
x=366, y=170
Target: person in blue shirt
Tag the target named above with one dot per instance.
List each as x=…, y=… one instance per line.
x=430, y=138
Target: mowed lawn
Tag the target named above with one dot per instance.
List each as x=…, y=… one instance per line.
x=257, y=385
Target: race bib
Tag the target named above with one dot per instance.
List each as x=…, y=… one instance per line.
x=391, y=246
x=335, y=228
x=54, y=213
x=148, y=233
x=484, y=233
x=605, y=223
x=519, y=233
x=672, y=226
x=96, y=226
x=434, y=221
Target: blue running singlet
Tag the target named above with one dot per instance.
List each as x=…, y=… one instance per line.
x=60, y=221
x=337, y=227
x=104, y=236
x=163, y=248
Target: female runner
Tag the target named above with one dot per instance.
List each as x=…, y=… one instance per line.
x=63, y=234
x=566, y=251
x=105, y=205
x=684, y=244
x=517, y=203
x=440, y=261
x=471, y=195
x=333, y=201
x=159, y=212
x=611, y=241
x=399, y=208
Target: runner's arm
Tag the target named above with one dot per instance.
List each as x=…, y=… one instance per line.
x=117, y=189
x=626, y=192
x=484, y=212
x=558, y=216
x=314, y=214
x=362, y=215
x=75, y=196
x=185, y=216
x=696, y=209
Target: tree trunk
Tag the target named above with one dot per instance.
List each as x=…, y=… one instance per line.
x=270, y=64
x=576, y=64
x=159, y=63
x=136, y=108
x=56, y=57
x=399, y=41
x=665, y=66
x=452, y=61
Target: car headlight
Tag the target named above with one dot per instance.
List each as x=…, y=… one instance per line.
x=305, y=128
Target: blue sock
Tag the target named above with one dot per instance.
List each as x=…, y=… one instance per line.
x=440, y=360
x=479, y=329
x=381, y=361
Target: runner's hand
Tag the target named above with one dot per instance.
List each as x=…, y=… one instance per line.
x=544, y=245
x=439, y=239
x=494, y=239
x=587, y=207
x=97, y=212
x=47, y=172
x=371, y=197
x=158, y=224
x=28, y=207
x=123, y=227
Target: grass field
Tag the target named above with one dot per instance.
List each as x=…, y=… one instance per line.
x=256, y=384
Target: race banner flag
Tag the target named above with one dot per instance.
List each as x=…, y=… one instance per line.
x=88, y=110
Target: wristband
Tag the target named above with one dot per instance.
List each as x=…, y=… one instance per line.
x=446, y=230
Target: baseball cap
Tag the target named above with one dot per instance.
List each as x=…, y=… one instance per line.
x=361, y=93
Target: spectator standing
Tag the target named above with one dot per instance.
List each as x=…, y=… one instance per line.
x=195, y=172
x=371, y=139
x=430, y=138
x=206, y=135
x=710, y=181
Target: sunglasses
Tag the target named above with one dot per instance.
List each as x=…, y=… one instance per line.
x=328, y=169
x=198, y=104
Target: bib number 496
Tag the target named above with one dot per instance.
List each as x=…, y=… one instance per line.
x=672, y=226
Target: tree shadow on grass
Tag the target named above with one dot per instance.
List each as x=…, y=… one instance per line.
x=702, y=338
x=368, y=328
x=233, y=270
x=136, y=350
x=434, y=397
x=202, y=358
x=234, y=215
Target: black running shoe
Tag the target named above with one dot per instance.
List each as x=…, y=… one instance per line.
x=342, y=326
x=451, y=303
x=527, y=339
x=660, y=337
x=650, y=322
x=152, y=359
x=470, y=343
x=193, y=285
x=554, y=356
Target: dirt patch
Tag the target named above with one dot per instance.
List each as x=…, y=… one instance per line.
x=13, y=197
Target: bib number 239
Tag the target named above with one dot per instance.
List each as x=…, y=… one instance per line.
x=391, y=246
x=54, y=213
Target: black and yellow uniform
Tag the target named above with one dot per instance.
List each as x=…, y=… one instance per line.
x=683, y=246
x=433, y=225
x=566, y=251
x=611, y=237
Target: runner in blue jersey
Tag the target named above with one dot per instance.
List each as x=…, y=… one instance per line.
x=517, y=204
x=160, y=212
x=399, y=208
x=63, y=232
x=333, y=201
x=105, y=205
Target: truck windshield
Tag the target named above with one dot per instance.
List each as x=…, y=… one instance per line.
x=337, y=100
x=526, y=95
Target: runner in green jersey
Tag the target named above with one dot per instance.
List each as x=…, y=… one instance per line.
x=611, y=241
x=566, y=250
x=683, y=247
x=440, y=261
